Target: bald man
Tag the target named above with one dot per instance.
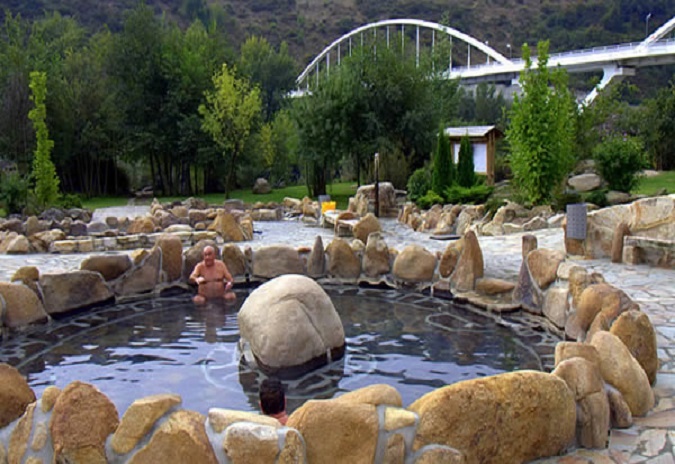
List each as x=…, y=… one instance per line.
x=212, y=277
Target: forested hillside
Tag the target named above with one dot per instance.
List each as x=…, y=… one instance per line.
x=308, y=25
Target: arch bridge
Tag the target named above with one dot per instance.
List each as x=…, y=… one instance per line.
x=615, y=61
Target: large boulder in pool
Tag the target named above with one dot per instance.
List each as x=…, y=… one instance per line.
x=291, y=325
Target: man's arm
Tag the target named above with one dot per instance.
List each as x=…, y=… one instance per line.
x=196, y=273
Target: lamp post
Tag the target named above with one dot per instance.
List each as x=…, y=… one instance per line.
x=510, y=51
x=488, y=56
x=649, y=15
x=377, y=185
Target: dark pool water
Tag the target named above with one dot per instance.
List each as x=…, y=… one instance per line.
x=413, y=342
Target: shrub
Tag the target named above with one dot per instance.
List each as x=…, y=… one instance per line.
x=431, y=198
x=13, y=193
x=466, y=176
x=419, y=183
x=598, y=198
x=619, y=161
x=561, y=200
x=475, y=194
x=70, y=200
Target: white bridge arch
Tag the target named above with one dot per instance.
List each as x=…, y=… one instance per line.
x=335, y=45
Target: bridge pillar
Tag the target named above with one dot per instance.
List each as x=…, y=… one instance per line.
x=608, y=74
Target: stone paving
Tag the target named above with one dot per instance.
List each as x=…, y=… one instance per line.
x=650, y=440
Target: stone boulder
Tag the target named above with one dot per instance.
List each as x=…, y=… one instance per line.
x=585, y=182
x=543, y=265
x=181, y=438
x=19, y=306
x=291, y=324
x=513, y=417
x=568, y=350
x=601, y=298
x=144, y=276
x=172, y=256
x=139, y=419
x=220, y=419
x=195, y=203
x=376, y=394
x=316, y=261
x=44, y=240
x=376, y=256
x=450, y=258
x=275, y=260
x=351, y=436
x=141, y=225
x=414, y=264
x=585, y=381
x=620, y=369
x=82, y=420
x=364, y=200
x=556, y=305
x=636, y=332
x=110, y=266
x=18, y=245
x=29, y=276
x=15, y=395
x=235, y=260
x=253, y=443
x=343, y=263
x=261, y=186
x=227, y=227
x=65, y=292
x=470, y=264
x=366, y=225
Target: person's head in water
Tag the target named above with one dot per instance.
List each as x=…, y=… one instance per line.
x=272, y=397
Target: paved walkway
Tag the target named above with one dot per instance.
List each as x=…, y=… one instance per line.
x=650, y=440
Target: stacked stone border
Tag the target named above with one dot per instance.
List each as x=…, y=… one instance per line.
x=601, y=380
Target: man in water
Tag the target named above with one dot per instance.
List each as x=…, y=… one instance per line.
x=273, y=399
x=212, y=277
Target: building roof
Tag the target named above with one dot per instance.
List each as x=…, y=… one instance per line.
x=472, y=131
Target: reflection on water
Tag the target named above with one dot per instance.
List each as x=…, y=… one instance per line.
x=167, y=344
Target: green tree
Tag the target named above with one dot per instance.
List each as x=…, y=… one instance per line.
x=466, y=177
x=274, y=72
x=443, y=174
x=230, y=114
x=44, y=172
x=658, y=127
x=541, y=133
x=620, y=160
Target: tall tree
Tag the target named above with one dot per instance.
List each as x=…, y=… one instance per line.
x=44, y=172
x=230, y=114
x=274, y=72
x=466, y=177
x=541, y=134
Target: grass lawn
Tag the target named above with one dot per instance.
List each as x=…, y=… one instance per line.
x=339, y=192
x=650, y=185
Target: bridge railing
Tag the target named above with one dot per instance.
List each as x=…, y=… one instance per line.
x=519, y=62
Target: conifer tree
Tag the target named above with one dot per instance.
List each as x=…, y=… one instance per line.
x=465, y=168
x=44, y=173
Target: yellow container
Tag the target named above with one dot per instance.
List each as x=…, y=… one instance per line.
x=327, y=206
